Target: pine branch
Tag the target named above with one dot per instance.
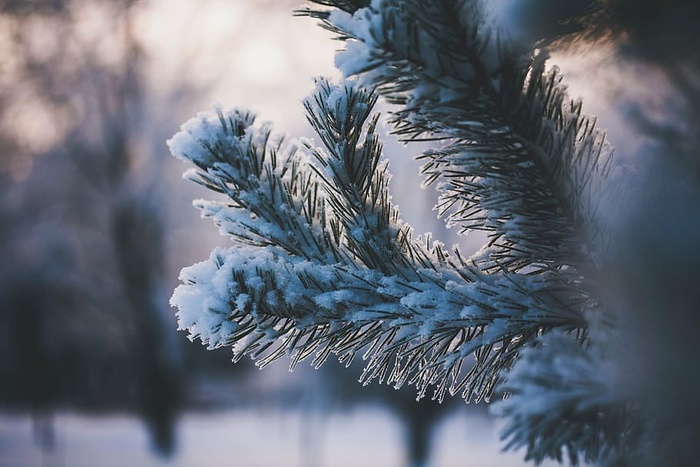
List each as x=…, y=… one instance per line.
x=274, y=198
x=324, y=265
x=561, y=405
x=521, y=162
x=354, y=180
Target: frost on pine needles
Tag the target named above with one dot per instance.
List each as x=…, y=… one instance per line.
x=321, y=263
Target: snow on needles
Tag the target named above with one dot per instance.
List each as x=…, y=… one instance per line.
x=321, y=265
x=197, y=136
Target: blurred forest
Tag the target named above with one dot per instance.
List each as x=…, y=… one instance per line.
x=95, y=222
x=87, y=219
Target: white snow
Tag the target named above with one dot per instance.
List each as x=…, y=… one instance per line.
x=254, y=438
x=205, y=130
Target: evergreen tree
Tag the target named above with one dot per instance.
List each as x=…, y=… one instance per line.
x=322, y=263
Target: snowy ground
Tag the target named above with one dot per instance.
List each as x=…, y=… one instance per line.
x=360, y=438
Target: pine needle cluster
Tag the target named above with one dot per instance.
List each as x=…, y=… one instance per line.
x=323, y=265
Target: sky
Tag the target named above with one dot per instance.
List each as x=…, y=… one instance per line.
x=249, y=53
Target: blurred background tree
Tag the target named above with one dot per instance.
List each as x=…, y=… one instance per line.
x=92, y=235
x=85, y=276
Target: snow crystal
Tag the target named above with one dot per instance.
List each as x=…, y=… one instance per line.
x=337, y=99
x=470, y=312
x=365, y=25
x=420, y=300
x=195, y=295
x=188, y=300
x=331, y=300
x=243, y=301
x=200, y=133
x=356, y=58
x=362, y=24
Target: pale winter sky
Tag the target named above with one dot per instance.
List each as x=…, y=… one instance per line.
x=254, y=53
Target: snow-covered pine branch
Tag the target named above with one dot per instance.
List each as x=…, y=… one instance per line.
x=323, y=265
x=520, y=160
x=561, y=404
x=273, y=198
